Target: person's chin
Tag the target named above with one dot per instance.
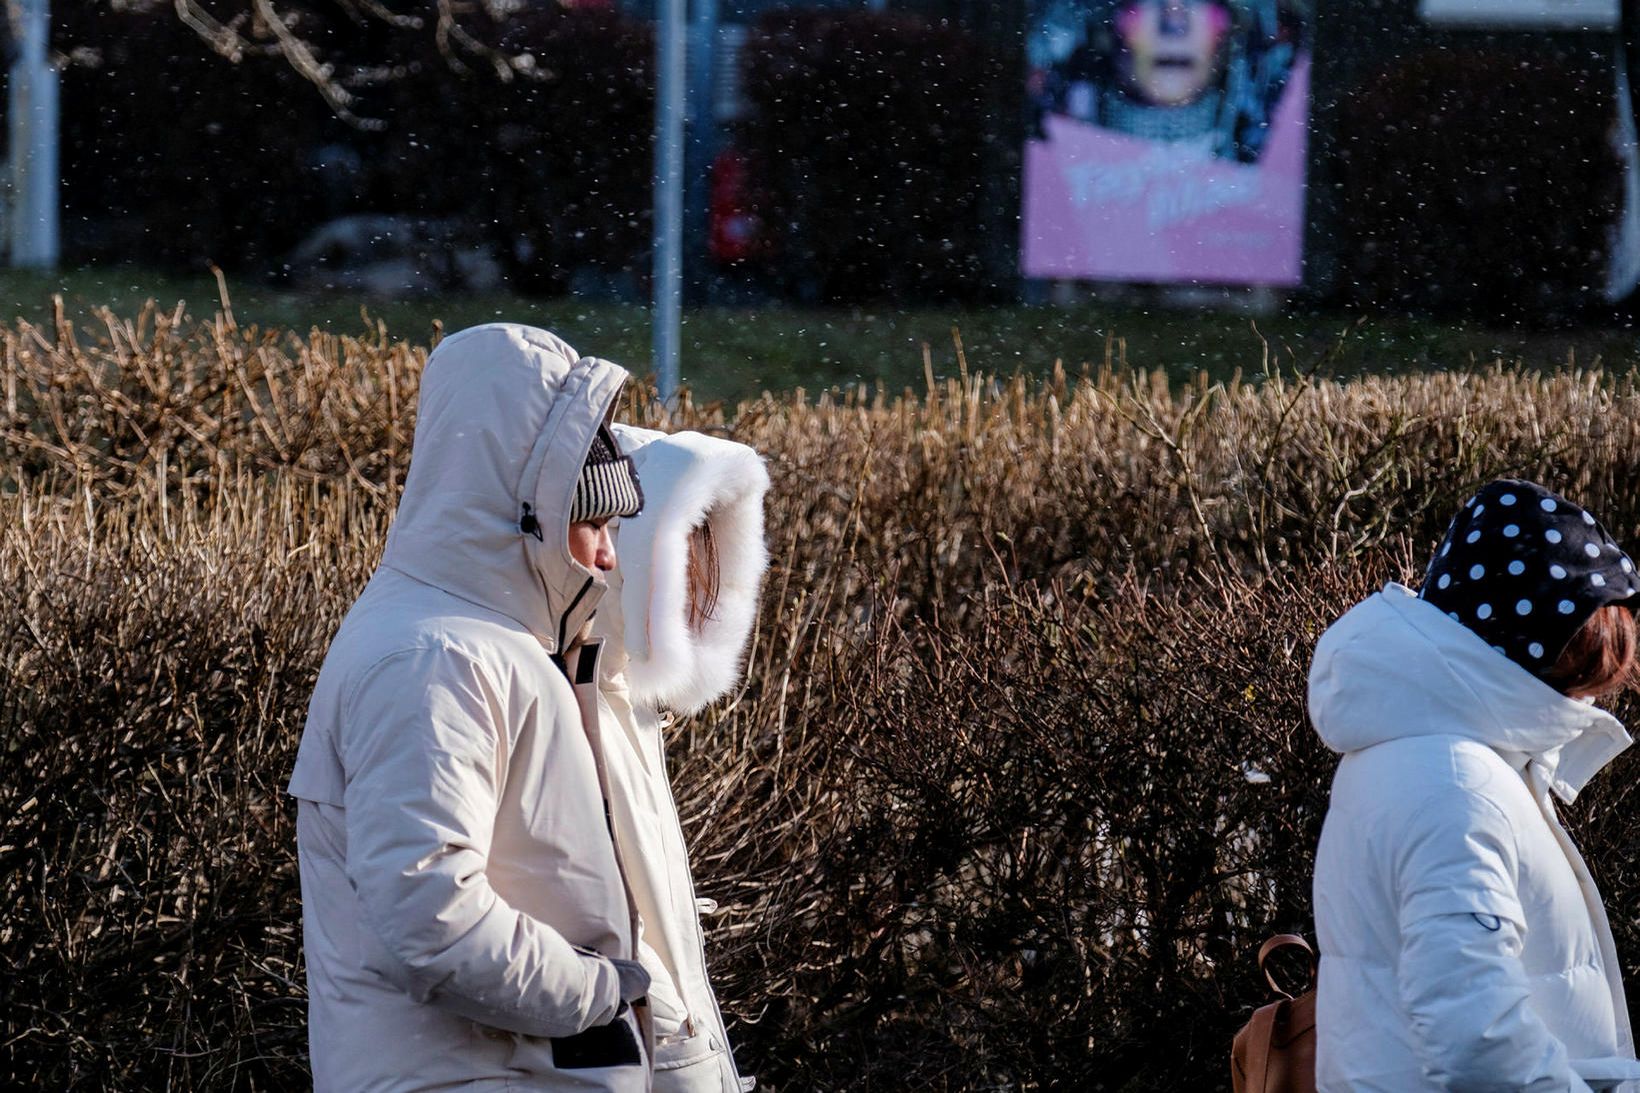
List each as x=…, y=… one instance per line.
x=1172, y=92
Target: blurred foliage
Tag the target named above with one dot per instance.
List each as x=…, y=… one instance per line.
x=182, y=155
x=552, y=166
x=1019, y=779
x=1478, y=181
x=173, y=153
x=872, y=136
x=340, y=48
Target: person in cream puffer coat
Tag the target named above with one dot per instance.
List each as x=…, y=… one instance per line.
x=703, y=495
x=466, y=918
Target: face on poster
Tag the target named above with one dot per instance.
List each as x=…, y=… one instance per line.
x=1166, y=140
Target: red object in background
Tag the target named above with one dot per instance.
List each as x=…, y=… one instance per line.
x=734, y=228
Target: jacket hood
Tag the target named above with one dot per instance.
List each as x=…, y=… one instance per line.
x=506, y=417
x=1395, y=666
x=688, y=479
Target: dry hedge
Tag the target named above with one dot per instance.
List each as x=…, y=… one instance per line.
x=1020, y=775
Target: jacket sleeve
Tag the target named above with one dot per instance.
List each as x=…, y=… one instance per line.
x=1459, y=974
x=424, y=750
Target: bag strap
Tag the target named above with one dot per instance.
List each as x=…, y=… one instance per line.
x=1282, y=941
x=1260, y=1042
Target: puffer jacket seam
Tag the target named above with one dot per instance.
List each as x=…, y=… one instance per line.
x=433, y=645
x=1596, y=966
x=1491, y=806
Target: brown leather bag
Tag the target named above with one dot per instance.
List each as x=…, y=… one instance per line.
x=1275, y=1051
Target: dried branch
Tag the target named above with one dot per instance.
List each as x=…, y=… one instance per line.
x=262, y=29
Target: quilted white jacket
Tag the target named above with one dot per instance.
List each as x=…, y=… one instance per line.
x=1463, y=943
x=462, y=891
x=657, y=662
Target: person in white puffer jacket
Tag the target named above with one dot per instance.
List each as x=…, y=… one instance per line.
x=1463, y=943
x=466, y=918
x=676, y=623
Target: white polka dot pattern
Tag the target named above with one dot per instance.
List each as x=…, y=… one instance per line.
x=1524, y=568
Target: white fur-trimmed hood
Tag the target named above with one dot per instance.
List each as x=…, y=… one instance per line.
x=688, y=478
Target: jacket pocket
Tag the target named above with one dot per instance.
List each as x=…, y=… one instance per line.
x=696, y=1064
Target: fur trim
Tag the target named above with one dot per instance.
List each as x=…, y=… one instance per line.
x=688, y=478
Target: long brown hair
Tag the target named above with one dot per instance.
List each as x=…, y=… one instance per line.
x=1601, y=658
x=703, y=576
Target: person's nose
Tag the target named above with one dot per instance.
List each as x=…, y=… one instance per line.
x=605, y=558
x=1175, y=19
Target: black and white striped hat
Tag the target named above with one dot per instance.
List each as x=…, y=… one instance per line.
x=1525, y=568
x=608, y=485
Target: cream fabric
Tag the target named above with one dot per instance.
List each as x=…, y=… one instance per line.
x=655, y=659
x=461, y=891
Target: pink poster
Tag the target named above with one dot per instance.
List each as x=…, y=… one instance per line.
x=1167, y=141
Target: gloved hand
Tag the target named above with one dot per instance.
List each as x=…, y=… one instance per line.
x=634, y=979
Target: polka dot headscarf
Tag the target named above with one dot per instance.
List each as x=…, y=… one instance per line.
x=1525, y=568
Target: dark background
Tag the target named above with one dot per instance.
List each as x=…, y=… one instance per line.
x=1452, y=171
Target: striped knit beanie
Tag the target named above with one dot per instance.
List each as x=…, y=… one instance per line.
x=608, y=485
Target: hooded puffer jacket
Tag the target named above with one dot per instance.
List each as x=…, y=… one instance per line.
x=1463, y=943
x=656, y=660
x=461, y=889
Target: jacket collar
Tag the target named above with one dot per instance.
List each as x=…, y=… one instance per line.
x=1395, y=666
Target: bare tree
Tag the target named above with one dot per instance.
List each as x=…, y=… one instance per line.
x=290, y=29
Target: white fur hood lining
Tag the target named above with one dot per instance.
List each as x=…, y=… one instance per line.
x=688, y=478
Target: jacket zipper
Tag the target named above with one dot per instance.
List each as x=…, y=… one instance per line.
x=694, y=907
x=563, y=621
x=593, y=728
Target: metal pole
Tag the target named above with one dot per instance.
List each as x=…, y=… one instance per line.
x=33, y=124
x=670, y=77
x=700, y=147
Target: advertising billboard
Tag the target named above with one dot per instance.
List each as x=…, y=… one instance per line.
x=1166, y=140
